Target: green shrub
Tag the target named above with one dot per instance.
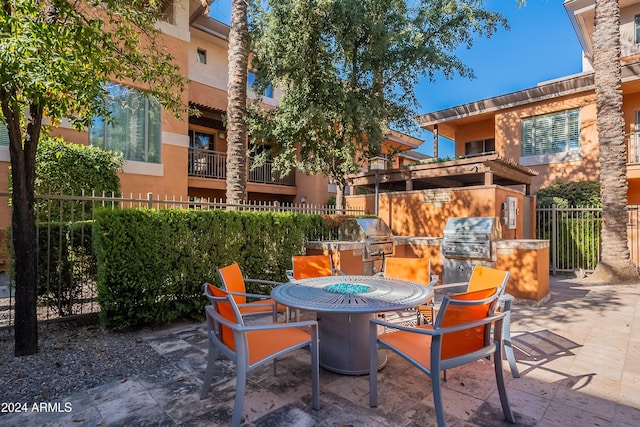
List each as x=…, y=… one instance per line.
x=66, y=168
x=570, y=194
x=152, y=263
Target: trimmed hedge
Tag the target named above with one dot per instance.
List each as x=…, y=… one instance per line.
x=152, y=263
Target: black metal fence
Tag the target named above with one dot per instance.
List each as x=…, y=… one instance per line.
x=574, y=236
x=66, y=263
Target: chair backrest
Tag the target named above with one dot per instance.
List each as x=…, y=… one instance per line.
x=224, y=304
x=483, y=277
x=232, y=281
x=416, y=270
x=457, y=309
x=309, y=266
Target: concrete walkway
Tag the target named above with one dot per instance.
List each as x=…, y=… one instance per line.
x=577, y=354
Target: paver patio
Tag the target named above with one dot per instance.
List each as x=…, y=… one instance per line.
x=577, y=354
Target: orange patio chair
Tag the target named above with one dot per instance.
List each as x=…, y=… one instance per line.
x=309, y=266
x=483, y=277
x=417, y=270
x=234, y=282
x=252, y=346
x=460, y=334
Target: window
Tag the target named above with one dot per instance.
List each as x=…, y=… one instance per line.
x=201, y=140
x=202, y=56
x=4, y=135
x=480, y=146
x=551, y=133
x=251, y=79
x=167, y=11
x=135, y=125
x=637, y=22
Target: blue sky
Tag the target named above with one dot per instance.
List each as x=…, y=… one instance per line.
x=540, y=45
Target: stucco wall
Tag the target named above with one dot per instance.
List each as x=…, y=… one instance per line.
x=425, y=212
x=314, y=188
x=473, y=132
x=576, y=166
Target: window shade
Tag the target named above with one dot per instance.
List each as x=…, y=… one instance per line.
x=551, y=133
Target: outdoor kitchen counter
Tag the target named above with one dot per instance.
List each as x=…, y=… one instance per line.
x=526, y=259
x=528, y=262
x=334, y=245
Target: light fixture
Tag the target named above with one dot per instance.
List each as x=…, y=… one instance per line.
x=377, y=163
x=222, y=135
x=303, y=199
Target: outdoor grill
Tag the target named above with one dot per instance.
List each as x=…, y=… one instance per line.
x=376, y=237
x=467, y=242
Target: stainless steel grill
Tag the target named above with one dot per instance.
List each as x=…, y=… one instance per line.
x=467, y=242
x=376, y=237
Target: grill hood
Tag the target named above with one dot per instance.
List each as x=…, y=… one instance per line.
x=472, y=229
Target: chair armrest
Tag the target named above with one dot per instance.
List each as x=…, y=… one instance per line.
x=337, y=272
x=429, y=330
x=257, y=296
x=279, y=326
x=450, y=285
x=433, y=280
x=505, y=301
x=264, y=282
x=400, y=327
x=289, y=274
x=257, y=304
x=379, y=274
x=237, y=327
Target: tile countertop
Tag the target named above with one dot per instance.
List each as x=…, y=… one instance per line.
x=425, y=241
x=500, y=244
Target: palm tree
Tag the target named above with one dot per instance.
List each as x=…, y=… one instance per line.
x=615, y=265
x=237, y=104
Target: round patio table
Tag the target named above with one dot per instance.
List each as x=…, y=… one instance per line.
x=344, y=306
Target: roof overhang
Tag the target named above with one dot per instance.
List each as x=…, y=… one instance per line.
x=470, y=171
x=485, y=109
x=567, y=86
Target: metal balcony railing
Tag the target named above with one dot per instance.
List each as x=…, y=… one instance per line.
x=213, y=164
x=633, y=148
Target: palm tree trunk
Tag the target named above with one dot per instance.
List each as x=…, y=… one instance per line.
x=237, y=104
x=615, y=265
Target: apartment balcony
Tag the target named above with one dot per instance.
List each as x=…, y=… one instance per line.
x=213, y=164
x=633, y=148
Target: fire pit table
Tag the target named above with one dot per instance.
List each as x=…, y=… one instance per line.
x=344, y=306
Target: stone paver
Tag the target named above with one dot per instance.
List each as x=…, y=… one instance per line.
x=577, y=354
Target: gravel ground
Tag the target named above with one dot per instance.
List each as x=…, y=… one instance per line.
x=73, y=356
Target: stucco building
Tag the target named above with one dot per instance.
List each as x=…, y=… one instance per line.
x=187, y=158
x=551, y=128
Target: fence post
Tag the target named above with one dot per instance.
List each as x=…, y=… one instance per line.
x=554, y=239
x=150, y=202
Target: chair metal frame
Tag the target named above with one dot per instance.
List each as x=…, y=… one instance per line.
x=434, y=364
x=504, y=305
x=239, y=348
x=400, y=269
x=292, y=276
x=263, y=304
